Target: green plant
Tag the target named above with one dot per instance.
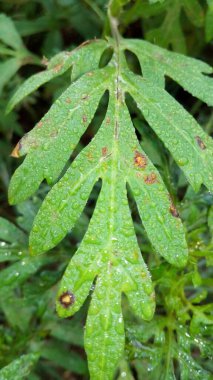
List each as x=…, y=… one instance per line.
x=108, y=257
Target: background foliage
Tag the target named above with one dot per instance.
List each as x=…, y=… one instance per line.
x=34, y=343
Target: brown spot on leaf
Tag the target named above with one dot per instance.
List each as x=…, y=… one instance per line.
x=16, y=150
x=108, y=120
x=85, y=97
x=150, y=179
x=68, y=100
x=84, y=118
x=57, y=68
x=39, y=125
x=104, y=151
x=200, y=142
x=140, y=160
x=67, y=299
x=173, y=210
x=89, y=74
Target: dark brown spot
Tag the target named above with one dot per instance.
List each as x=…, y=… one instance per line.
x=39, y=125
x=16, y=150
x=200, y=142
x=173, y=211
x=104, y=151
x=150, y=179
x=108, y=120
x=85, y=97
x=67, y=299
x=140, y=160
x=68, y=100
x=84, y=118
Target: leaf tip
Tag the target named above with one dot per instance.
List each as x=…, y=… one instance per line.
x=16, y=151
x=66, y=299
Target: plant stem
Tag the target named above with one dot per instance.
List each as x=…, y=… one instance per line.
x=113, y=24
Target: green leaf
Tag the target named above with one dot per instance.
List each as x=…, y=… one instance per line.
x=19, y=368
x=194, y=12
x=188, y=72
x=170, y=32
x=84, y=58
x=9, y=34
x=105, y=327
x=20, y=307
x=10, y=233
x=60, y=354
x=108, y=259
x=208, y=22
x=18, y=272
x=187, y=149
x=144, y=10
x=7, y=69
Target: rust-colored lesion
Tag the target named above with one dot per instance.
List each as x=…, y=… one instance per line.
x=84, y=118
x=67, y=299
x=16, y=151
x=173, y=210
x=150, y=179
x=40, y=124
x=104, y=151
x=68, y=100
x=140, y=160
x=108, y=120
x=58, y=67
x=200, y=142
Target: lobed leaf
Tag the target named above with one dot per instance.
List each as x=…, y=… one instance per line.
x=83, y=59
x=185, y=139
x=56, y=135
x=108, y=259
x=190, y=73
